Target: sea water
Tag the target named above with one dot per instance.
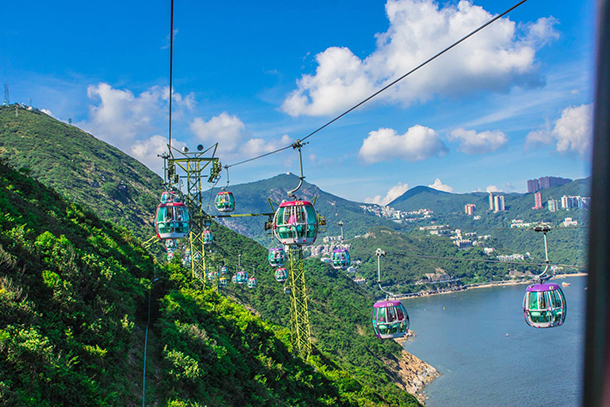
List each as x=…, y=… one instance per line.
x=488, y=356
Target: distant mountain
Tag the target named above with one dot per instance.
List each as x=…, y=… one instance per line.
x=444, y=203
x=81, y=167
x=252, y=198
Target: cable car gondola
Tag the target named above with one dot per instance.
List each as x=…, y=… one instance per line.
x=276, y=257
x=222, y=281
x=281, y=275
x=340, y=259
x=234, y=278
x=224, y=270
x=212, y=275
x=296, y=223
x=207, y=236
x=544, y=304
x=242, y=277
x=172, y=220
x=390, y=318
x=252, y=282
x=225, y=202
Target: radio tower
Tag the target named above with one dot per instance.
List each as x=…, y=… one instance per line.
x=6, y=101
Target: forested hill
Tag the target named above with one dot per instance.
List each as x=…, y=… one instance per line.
x=82, y=168
x=252, y=198
x=73, y=306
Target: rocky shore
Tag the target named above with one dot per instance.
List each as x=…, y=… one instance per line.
x=412, y=374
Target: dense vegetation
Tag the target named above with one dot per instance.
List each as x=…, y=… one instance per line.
x=70, y=287
x=73, y=294
x=115, y=186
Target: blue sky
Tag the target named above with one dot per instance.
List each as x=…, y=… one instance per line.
x=510, y=104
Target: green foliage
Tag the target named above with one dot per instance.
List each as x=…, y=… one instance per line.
x=79, y=166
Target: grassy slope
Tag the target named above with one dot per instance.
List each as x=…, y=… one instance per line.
x=72, y=290
x=88, y=171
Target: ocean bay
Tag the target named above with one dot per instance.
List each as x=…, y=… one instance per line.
x=488, y=356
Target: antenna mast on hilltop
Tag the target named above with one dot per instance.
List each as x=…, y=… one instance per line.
x=6, y=101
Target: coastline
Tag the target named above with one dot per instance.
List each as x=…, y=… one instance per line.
x=484, y=285
x=412, y=374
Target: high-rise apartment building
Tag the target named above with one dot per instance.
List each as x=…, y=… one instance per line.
x=469, y=209
x=537, y=201
x=553, y=205
x=491, y=201
x=534, y=185
x=499, y=203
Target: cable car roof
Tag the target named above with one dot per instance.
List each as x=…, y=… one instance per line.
x=542, y=287
x=295, y=203
x=387, y=303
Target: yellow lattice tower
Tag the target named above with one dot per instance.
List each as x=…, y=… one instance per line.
x=192, y=166
x=300, y=331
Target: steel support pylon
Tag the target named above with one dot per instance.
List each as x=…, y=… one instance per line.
x=300, y=330
x=193, y=166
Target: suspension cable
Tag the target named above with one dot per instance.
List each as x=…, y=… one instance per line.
x=522, y=263
x=171, y=60
x=387, y=86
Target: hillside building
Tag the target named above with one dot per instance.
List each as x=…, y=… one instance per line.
x=553, y=205
x=469, y=209
x=499, y=203
x=535, y=185
x=537, y=201
x=569, y=222
x=491, y=201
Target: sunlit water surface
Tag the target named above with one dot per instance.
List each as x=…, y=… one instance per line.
x=463, y=335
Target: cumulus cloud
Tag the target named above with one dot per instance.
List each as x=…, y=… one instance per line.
x=232, y=137
x=438, y=185
x=120, y=117
x=47, y=112
x=418, y=143
x=228, y=130
x=492, y=188
x=393, y=193
x=495, y=60
x=571, y=133
x=472, y=142
x=147, y=151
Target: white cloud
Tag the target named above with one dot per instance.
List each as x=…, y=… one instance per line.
x=500, y=57
x=492, y=188
x=120, y=117
x=418, y=143
x=572, y=132
x=472, y=142
x=258, y=146
x=438, y=185
x=47, y=112
x=225, y=129
x=146, y=151
x=393, y=193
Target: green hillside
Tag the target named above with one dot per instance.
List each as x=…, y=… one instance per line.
x=252, y=198
x=363, y=368
x=74, y=290
x=115, y=186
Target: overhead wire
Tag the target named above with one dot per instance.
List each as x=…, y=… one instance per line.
x=385, y=87
x=522, y=263
x=171, y=63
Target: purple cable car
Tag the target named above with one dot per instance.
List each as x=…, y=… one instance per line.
x=544, y=305
x=225, y=202
x=340, y=259
x=390, y=319
x=276, y=257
